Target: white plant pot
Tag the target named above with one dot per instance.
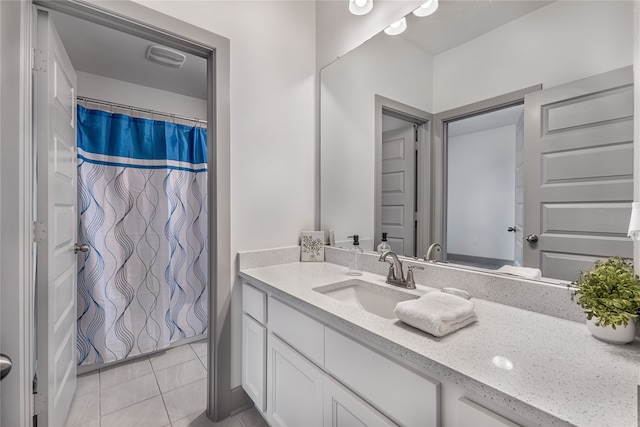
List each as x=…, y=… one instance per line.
x=619, y=335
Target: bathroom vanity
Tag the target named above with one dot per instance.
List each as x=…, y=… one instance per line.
x=311, y=359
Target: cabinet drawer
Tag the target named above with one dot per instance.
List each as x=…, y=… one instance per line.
x=254, y=303
x=298, y=330
x=470, y=413
x=403, y=395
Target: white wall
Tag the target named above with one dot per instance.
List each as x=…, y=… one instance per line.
x=117, y=91
x=272, y=122
x=549, y=46
x=386, y=66
x=481, y=193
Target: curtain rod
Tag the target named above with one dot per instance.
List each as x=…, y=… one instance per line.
x=137, y=109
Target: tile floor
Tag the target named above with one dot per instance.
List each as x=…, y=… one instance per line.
x=165, y=389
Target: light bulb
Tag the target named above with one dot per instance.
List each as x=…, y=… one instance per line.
x=426, y=8
x=397, y=27
x=360, y=7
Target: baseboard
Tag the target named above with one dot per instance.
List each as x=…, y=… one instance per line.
x=240, y=401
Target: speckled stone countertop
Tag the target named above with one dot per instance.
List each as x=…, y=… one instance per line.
x=560, y=374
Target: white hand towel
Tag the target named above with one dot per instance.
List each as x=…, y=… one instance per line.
x=437, y=313
x=525, y=272
x=634, y=222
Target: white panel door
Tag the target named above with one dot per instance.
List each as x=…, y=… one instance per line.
x=56, y=228
x=578, y=173
x=398, y=189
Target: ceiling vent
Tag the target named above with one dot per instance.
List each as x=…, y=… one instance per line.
x=165, y=56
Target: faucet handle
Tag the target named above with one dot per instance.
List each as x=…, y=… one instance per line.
x=411, y=283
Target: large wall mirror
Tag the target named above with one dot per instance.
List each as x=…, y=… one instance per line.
x=450, y=93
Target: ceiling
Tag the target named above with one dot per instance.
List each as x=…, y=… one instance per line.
x=457, y=21
x=110, y=53
x=103, y=51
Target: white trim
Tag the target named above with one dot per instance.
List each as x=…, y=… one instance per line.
x=16, y=143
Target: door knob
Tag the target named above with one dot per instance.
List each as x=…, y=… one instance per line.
x=532, y=238
x=5, y=365
x=80, y=248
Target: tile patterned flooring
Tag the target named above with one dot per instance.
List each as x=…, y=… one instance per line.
x=165, y=389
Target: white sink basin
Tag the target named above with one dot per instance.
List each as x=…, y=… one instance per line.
x=368, y=296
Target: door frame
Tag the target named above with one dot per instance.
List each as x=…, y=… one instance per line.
x=16, y=198
x=423, y=120
x=439, y=155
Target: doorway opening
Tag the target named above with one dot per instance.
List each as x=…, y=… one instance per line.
x=213, y=50
x=484, y=181
x=402, y=167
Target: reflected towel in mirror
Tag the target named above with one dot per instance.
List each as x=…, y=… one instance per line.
x=525, y=272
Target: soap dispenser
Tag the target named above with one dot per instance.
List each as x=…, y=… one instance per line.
x=384, y=246
x=355, y=257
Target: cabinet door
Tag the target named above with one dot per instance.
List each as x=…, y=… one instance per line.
x=344, y=409
x=254, y=360
x=295, y=388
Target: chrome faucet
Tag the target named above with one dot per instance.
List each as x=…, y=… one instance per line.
x=434, y=246
x=396, y=265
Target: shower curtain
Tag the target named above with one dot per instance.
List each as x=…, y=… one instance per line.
x=142, y=199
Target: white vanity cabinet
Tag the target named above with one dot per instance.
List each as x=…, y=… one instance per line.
x=471, y=414
x=406, y=396
x=295, y=389
x=254, y=345
x=342, y=408
x=316, y=376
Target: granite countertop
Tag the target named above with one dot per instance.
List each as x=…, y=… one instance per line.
x=548, y=370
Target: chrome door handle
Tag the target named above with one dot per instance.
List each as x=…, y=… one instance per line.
x=532, y=238
x=5, y=365
x=80, y=248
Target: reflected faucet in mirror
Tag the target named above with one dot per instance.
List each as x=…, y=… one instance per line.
x=434, y=248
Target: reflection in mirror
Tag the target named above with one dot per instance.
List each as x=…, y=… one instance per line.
x=398, y=187
x=463, y=54
x=484, y=186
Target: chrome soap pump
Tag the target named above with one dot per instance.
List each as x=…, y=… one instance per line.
x=355, y=257
x=384, y=246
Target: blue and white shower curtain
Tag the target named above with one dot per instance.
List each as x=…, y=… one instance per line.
x=142, y=202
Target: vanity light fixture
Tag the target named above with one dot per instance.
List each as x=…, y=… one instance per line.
x=426, y=8
x=397, y=27
x=360, y=7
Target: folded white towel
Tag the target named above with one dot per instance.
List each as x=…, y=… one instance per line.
x=525, y=272
x=437, y=313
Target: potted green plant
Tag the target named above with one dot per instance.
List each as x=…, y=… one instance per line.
x=610, y=294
